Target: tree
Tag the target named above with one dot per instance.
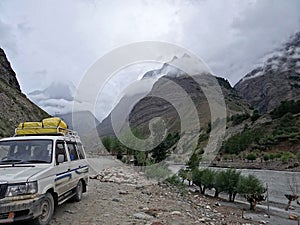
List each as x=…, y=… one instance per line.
x=162, y=151
x=197, y=178
x=107, y=142
x=251, y=157
x=218, y=183
x=232, y=177
x=141, y=158
x=252, y=189
x=208, y=179
x=194, y=161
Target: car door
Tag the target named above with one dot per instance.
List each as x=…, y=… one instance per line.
x=63, y=173
x=79, y=166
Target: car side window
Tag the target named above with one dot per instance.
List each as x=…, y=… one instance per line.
x=60, y=149
x=80, y=151
x=72, y=151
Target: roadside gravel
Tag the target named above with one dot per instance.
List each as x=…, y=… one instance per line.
x=119, y=195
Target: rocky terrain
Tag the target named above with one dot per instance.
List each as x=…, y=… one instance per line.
x=15, y=107
x=119, y=195
x=278, y=79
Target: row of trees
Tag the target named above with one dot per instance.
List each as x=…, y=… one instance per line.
x=141, y=158
x=284, y=157
x=228, y=181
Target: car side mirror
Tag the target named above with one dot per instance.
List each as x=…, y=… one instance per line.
x=60, y=158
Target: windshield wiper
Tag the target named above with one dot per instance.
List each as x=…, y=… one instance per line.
x=35, y=161
x=10, y=161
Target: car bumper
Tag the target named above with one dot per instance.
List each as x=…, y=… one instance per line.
x=20, y=210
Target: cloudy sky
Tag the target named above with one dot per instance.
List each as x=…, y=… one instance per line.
x=52, y=39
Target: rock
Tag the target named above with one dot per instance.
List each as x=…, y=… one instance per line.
x=146, y=192
x=116, y=200
x=293, y=217
x=123, y=192
x=157, y=223
x=176, y=213
x=208, y=207
x=217, y=204
x=142, y=216
x=151, y=212
x=69, y=211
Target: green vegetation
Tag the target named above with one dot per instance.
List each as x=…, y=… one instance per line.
x=286, y=107
x=204, y=179
x=141, y=158
x=252, y=189
x=194, y=161
x=229, y=181
x=266, y=157
x=251, y=156
x=239, y=118
x=255, y=115
x=287, y=156
x=161, y=152
x=240, y=142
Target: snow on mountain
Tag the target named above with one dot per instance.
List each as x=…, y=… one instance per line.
x=280, y=60
x=277, y=79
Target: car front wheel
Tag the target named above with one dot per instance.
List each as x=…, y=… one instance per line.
x=47, y=209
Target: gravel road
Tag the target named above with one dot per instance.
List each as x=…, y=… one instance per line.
x=118, y=195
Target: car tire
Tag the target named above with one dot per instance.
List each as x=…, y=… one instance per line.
x=79, y=191
x=47, y=209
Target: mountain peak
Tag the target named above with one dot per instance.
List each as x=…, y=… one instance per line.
x=276, y=80
x=6, y=72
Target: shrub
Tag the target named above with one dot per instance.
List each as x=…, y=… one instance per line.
x=287, y=156
x=272, y=156
x=266, y=157
x=255, y=115
x=239, y=118
x=251, y=157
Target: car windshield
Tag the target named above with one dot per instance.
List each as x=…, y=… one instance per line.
x=26, y=151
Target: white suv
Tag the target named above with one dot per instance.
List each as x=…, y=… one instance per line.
x=37, y=173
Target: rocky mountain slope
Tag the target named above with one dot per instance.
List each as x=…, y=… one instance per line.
x=278, y=79
x=15, y=107
x=152, y=106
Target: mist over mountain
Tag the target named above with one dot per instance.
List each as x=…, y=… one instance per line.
x=276, y=80
x=57, y=98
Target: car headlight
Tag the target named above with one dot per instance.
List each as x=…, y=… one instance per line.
x=21, y=189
